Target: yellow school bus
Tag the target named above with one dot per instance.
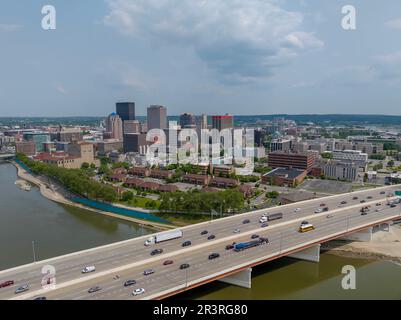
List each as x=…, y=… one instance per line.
x=306, y=228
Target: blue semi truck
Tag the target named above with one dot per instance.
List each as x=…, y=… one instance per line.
x=250, y=244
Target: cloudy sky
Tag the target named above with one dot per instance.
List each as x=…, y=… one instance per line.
x=200, y=56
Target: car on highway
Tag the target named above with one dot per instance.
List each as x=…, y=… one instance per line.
x=6, y=283
x=89, y=269
x=393, y=205
x=355, y=198
x=264, y=225
x=383, y=192
x=329, y=216
x=94, y=289
x=369, y=197
x=148, y=272
x=322, y=204
x=40, y=298
x=156, y=251
x=211, y=237
x=378, y=204
x=168, y=262
x=214, y=256
x=129, y=283
x=363, y=201
x=147, y=243
x=236, y=231
x=378, y=210
x=325, y=209
x=186, y=243
x=138, y=292
x=22, y=289
x=205, y=232
x=230, y=246
x=254, y=236
x=297, y=210
x=304, y=222
x=184, y=266
x=319, y=210
x=343, y=202
x=364, y=213
x=246, y=221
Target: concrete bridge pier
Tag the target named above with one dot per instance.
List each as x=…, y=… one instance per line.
x=311, y=254
x=361, y=236
x=242, y=279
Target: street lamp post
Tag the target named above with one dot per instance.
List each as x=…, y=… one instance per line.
x=33, y=251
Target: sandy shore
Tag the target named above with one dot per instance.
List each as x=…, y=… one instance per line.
x=55, y=196
x=385, y=245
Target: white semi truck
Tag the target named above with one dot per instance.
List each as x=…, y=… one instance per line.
x=165, y=236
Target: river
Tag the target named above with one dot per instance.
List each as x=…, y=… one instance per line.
x=56, y=230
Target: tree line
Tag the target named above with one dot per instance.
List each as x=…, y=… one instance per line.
x=202, y=202
x=74, y=180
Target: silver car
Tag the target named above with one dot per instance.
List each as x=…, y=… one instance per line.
x=22, y=289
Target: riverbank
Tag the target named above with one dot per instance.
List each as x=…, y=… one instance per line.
x=55, y=196
x=385, y=245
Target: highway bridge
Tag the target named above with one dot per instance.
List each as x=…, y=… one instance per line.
x=127, y=260
x=6, y=156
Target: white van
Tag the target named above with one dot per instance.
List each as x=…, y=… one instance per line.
x=88, y=269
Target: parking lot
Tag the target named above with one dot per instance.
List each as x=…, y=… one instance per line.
x=326, y=186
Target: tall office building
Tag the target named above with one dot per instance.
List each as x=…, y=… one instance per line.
x=157, y=117
x=132, y=126
x=126, y=110
x=187, y=120
x=38, y=138
x=69, y=134
x=223, y=122
x=135, y=142
x=114, y=126
x=201, y=121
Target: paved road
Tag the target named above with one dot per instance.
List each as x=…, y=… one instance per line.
x=131, y=257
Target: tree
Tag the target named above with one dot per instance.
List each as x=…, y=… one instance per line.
x=72, y=179
x=377, y=156
x=127, y=196
x=390, y=163
x=272, y=195
x=327, y=155
x=85, y=166
x=104, y=169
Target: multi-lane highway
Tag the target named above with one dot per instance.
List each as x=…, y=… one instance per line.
x=130, y=258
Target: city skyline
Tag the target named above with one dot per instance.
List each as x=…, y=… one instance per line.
x=265, y=57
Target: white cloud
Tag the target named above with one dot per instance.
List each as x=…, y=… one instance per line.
x=391, y=58
x=388, y=66
x=124, y=75
x=303, y=40
x=239, y=40
x=60, y=88
x=10, y=27
x=393, y=24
